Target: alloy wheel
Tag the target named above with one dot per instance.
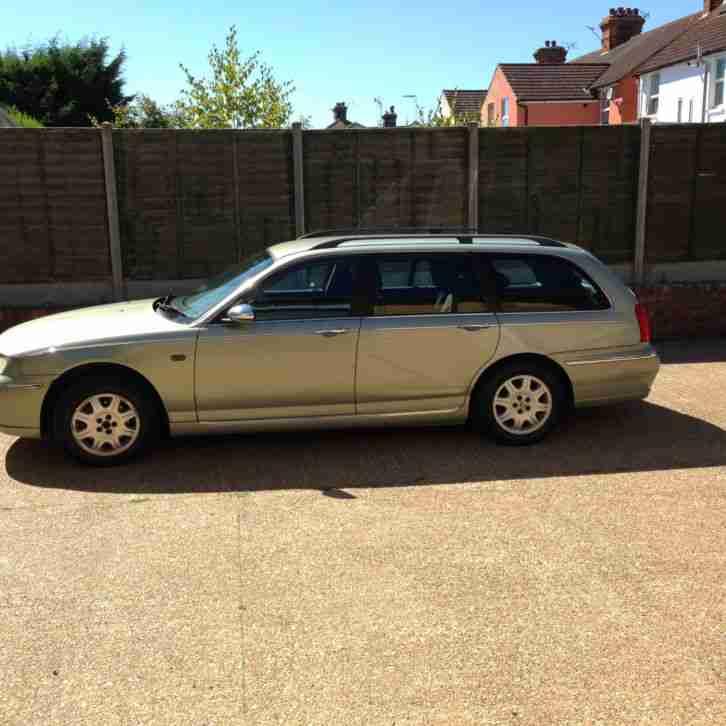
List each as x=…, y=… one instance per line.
x=522, y=405
x=105, y=424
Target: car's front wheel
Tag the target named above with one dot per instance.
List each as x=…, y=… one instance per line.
x=520, y=403
x=105, y=421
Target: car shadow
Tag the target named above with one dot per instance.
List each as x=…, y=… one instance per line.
x=708, y=350
x=634, y=437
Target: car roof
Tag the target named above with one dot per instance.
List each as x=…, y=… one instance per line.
x=399, y=242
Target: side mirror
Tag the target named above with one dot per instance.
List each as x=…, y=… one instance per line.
x=241, y=314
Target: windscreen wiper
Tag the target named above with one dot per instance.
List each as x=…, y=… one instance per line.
x=164, y=304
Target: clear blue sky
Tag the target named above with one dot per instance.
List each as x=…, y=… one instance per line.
x=342, y=51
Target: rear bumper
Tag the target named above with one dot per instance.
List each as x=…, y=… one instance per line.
x=20, y=406
x=615, y=376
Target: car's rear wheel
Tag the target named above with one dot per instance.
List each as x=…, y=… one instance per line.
x=105, y=421
x=519, y=404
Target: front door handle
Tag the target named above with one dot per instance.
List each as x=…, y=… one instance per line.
x=331, y=333
x=474, y=328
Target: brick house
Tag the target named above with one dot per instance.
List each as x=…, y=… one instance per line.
x=340, y=118
x=598, y=88
x=547, y=93
x=462, y=105
x=624, y=48
x=685, y=81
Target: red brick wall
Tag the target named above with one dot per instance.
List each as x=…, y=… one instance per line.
x=560, y=114
x=686, y=310
x=624, y=106
x=679, y=310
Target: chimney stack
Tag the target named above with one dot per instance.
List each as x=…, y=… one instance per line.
x=340, y=112
x=620, y=26
x=710, y=6
x=551, y=54
x=389, y=118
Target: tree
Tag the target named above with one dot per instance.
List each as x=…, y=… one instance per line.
x=144, y=113
x=62, y=84
x=241, y=93
x=434, y=118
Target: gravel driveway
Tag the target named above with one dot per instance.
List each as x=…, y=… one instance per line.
x=395, y=577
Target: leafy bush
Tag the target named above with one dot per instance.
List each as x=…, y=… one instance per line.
x=62, y=84
x=23, y=120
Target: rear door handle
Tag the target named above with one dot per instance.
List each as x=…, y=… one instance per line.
x=331, y=333
x=474, y=328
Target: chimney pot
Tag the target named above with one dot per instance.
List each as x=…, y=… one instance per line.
x=389, y=118
x=340, y=111
x=620, y=26
x=550, y=53
x=710, y=6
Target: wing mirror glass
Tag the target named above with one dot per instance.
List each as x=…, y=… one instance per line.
x=241, y=313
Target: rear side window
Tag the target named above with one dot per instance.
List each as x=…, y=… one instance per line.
x=542, y=283
x=426, y=284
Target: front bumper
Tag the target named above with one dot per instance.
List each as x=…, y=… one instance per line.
x=20, y=406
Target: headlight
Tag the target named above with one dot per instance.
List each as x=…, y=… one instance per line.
x=3, y=363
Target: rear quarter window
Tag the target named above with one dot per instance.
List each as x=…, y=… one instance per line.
x=544, y=283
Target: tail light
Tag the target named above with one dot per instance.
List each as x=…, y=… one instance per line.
x=643, y=321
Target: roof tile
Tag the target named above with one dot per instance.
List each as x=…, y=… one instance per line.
x=560, y=82
x=625, y=58
x=465, y=102
x=708, y=31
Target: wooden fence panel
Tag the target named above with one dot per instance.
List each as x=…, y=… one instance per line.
x=193, y=202
x=408, y=177
x=708, y=228
x=673, y=164
x=608, y=191
x=577, y=184
x=266, y=201
x=503, y=190
x=53, y=222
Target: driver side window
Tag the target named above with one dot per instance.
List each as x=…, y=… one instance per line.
x=314, y=289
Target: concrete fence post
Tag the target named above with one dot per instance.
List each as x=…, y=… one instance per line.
x=642, y=203
x=474, y=175
x=114, y=232
x=299, y=178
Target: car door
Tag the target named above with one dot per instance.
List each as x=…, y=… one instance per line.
x=297, y=358
x=431, y=327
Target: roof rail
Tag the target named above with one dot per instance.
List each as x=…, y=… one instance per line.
x=464, y=236
x=384, y=229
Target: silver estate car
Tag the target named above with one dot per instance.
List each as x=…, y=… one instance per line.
x=337, y=329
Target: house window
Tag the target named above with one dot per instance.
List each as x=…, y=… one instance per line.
x=604, y=111
x=718, y=82
x=505, y=111
x=490, y=114
x=652, y=91
x=679, y=117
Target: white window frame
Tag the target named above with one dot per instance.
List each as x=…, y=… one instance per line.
x=505, y=111
x=718, y=81
x=649, y=96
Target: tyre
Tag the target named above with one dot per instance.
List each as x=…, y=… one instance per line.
x=519, y=404
x=106, y=420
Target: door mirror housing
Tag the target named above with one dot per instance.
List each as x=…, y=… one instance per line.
x=241, y=313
